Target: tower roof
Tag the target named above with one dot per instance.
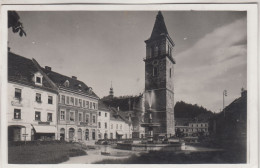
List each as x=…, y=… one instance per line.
x=159, y=26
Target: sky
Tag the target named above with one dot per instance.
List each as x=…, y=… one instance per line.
x=103, y=46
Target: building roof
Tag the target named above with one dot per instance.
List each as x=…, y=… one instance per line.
x=125, y=103
x=159, y=26
x=102, y=106
x=22, y=70
x=118, y=115
x=74, y=84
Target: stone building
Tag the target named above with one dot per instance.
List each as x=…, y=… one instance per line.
x=77, y=108
x=159, y=79
x=32, y=101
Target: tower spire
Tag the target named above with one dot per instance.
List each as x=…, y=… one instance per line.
x=111, y=92
x=159, y=27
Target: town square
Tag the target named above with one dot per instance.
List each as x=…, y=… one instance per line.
x=127, y=87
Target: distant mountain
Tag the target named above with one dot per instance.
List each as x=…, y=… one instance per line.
x=185, y=110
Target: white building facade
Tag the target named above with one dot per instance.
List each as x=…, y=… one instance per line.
x=32, y=101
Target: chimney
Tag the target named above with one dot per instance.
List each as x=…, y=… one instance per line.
x=243, y=92
x=48, y=68
x=74, y=77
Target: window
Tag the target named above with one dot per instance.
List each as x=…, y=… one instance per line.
x=72, y=100
x=120, y=126
x=93, y=119
x=111, y=126
x=76, y=101
x=84, y=103
x=17, y=113
x=87, y=104
x=38, y=80
x=105, y=125
x=18, y=93
x=105, y=114
x=62, y=115
x=99, y=125
x=80, y=102
x=152, y=51
x=50, y=100
x=87, y=118
x=72, y=117
x=62, y=99
x=170, y=72
x=116, y=126
x=80, y=117
x=49, y=117
x=67, y=100
x=155, y=71
x=94, y=105
x=99, y=113
x=169, y=50
x=38, y=97
x=66, y=83
x=37, y=116
x=90, y=105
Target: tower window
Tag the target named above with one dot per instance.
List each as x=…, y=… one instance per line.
x=169, y=50
x=152, y=51
x=155, y=71
x=170, y=72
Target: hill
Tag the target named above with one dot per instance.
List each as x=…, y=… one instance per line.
x=185, y=110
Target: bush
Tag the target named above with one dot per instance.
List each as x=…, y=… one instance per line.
x=43, y=152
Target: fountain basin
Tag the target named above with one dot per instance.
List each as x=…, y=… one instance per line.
x=176, y=146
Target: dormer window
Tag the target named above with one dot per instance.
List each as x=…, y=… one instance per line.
x=66, y=83
x=38, y=78
x=90, y=90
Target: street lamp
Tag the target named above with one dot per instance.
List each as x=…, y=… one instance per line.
x=224, y=94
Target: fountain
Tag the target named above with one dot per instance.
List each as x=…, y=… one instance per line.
x=149, y=124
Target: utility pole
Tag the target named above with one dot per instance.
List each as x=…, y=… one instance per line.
x=224, y=94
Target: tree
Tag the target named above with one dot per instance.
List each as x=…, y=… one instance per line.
x=14, y=23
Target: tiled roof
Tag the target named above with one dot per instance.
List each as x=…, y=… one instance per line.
x=118, y=115
x=74, y=84
x=102, y=106
x=22, y=70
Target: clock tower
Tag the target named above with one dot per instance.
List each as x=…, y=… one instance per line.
x=159, y=79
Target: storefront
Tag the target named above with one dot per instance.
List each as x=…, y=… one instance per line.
x=44, y=132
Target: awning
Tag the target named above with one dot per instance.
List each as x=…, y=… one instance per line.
x=119, y=132
x=45, y=129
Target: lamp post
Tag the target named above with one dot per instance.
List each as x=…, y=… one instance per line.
x=224, y=94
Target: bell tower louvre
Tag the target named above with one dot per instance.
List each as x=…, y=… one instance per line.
x=159, y=78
